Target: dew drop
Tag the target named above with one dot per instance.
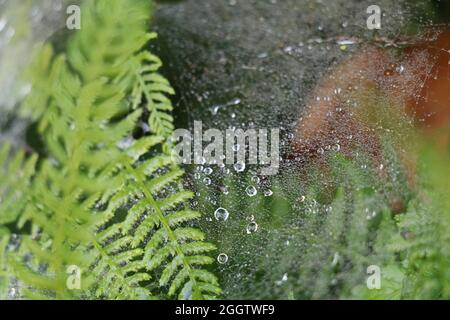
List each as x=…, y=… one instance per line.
x=337, y=147
x=268, y=193
x=263, y=55
x=252, y=227
x=207, y=171
x=214, y=110
x=222, y=258
x=251, y=191
x=283, y=279
x=239, y=166
x=221, y=214
x=207, y=181
x=255, y=179
x=224, y=190
x=235, y=102
x=336, y=259
x=371, y=215
x=400, y=69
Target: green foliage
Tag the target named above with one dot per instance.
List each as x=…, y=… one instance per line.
x=105, y=198
x=16, y=173
x=317, y=234
x=426, y=232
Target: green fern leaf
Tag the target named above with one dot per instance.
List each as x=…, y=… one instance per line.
x=112, y=207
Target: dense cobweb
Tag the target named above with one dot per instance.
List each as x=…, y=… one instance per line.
x=274, y=64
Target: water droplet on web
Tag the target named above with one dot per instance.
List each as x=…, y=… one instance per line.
x=255, y=179
x=207, y=171
x=283, y=279
x=224, y=190
x=336, y=258
x=207, y=181
x=221, y=214
x=337, y=147
x=371, y=215
x=288, y=49
x=263, y=55
x=252, y=227
x=268, y=193
x=222, y=258
x=214, y=109
x=12, y=292
x=235, y=102
x=251, y=191
x=400, y=69
x=239, y=166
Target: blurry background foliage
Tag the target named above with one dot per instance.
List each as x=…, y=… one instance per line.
x=253, y=64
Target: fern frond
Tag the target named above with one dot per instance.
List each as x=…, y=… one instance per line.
x=16, y=173
x=154, y=224
x=5, y=274
x=114, y=209
x=154, y=88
